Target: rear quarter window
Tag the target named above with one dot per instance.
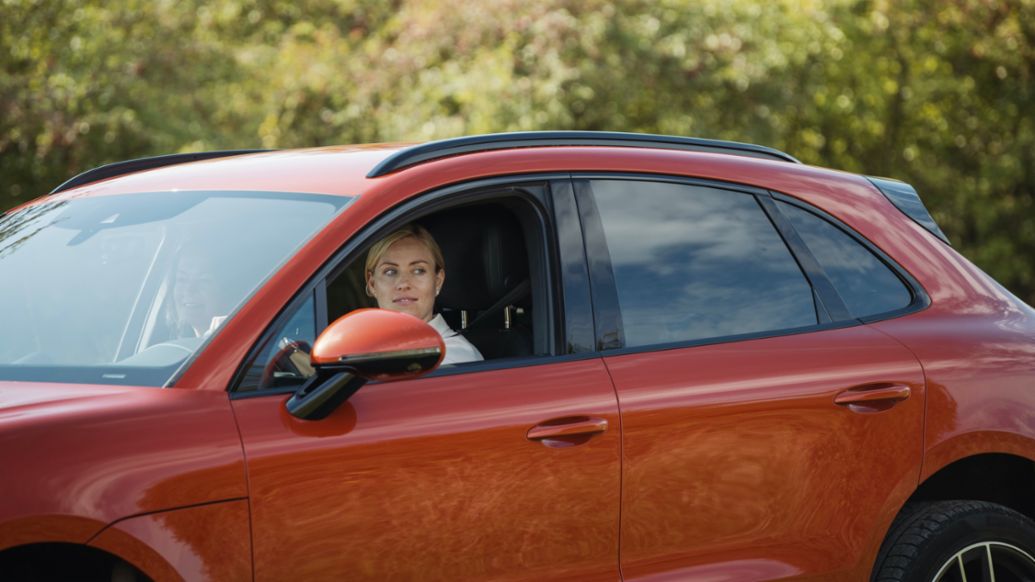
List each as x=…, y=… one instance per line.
x=867, y=285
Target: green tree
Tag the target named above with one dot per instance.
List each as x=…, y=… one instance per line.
x=938, y=94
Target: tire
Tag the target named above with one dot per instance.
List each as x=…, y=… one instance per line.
x=931, y=542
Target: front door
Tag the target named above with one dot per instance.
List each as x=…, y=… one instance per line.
x=437, y=478
x=506, y=469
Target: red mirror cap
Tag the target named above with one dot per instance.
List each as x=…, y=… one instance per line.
x=374, y=331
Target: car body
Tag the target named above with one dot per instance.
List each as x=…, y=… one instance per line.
x=703, y=361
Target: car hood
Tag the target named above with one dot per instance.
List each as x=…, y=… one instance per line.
x=19, y=400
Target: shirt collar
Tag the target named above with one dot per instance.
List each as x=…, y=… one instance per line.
x=439, y=323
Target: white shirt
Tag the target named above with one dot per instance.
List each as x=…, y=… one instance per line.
x=458, y=349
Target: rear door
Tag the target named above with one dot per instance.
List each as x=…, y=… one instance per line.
x=767, y=433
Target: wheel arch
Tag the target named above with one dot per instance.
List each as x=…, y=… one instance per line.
x=66, y=561
x=1005, y=479
x=53, y=528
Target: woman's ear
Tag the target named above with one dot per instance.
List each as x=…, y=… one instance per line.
x=370, y=292
x=440, y=278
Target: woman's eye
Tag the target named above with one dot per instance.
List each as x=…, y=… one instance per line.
x=388, y=272
x=419, y=271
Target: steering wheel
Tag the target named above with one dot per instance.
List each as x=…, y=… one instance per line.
x=292, y=358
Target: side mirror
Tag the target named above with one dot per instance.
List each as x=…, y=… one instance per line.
x=366, y=344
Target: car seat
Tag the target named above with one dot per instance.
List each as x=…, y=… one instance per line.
x=486, y=295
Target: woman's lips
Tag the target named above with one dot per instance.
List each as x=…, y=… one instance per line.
x=404, y=300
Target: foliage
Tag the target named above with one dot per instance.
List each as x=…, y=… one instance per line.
x=938, y=94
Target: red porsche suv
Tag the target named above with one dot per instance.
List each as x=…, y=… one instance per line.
x=686, y=359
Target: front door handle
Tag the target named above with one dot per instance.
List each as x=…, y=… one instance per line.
x=873, y=397
x=567, y=431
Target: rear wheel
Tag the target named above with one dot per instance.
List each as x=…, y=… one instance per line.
x=955, y=541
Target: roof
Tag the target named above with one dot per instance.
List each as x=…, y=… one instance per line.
x=337, y=170
x=345, y=170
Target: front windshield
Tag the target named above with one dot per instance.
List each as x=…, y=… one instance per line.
x=122, y=289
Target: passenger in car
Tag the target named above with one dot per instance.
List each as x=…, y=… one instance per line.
x=199, y=303
x=405, y=271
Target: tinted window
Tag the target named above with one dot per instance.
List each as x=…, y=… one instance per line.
x=693, y=263
x=866, y=284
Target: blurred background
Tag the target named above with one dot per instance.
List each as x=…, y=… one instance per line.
x=938, y=93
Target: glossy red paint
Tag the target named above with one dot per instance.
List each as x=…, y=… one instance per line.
x=407, y=477
x=97, y=454
x=741, y=451
x=979, y=380
x=783, y=457
x=205, y=542
x=373, y=331
x=315, y=171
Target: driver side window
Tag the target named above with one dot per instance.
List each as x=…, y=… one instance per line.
x=485, y=305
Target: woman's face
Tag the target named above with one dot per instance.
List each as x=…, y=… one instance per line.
x=196, y=293
x=404, y=279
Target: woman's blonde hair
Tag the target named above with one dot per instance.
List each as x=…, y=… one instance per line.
x=410, y=230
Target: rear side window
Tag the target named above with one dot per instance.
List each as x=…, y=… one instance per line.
x=693, y=263
x=867, y=286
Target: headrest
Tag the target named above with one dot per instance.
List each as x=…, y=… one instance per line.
x=484, y=252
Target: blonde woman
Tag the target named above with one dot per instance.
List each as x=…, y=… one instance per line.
x=405, y=272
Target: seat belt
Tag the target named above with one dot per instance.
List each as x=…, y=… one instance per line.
x=516, y=293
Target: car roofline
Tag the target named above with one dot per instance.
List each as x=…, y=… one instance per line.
x=434, y=150
x=129, y=166
x=427, y=152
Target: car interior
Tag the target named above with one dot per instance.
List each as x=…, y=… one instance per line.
x=488, y=294
x=495, y=294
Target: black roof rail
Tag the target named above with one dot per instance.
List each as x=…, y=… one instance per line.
x=129, y=166
x=418, y=154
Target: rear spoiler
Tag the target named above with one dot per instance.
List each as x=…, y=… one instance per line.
x=906, y=199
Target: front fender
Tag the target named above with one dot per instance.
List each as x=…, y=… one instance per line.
x=205, y=542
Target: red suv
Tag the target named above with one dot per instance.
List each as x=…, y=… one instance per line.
x=526, y=356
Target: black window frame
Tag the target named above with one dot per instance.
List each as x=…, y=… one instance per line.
x=576, y=292
x=919, y=299
x=832, y=312
x=541, y=191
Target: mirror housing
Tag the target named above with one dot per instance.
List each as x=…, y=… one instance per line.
x=363, y=345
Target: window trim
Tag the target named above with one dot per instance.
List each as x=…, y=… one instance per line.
x=827, y=297
x=423, y=204
x=610, y=331
x=576, y=293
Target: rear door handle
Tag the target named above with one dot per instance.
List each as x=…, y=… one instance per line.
x=873, y=397
x=568, y=431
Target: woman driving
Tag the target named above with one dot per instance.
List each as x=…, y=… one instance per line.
x=405, y=272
